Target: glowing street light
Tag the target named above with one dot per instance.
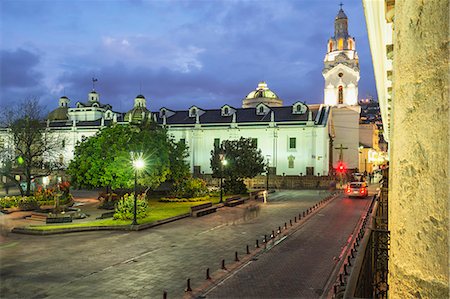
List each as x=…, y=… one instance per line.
x=223, y=163
x=138, y=164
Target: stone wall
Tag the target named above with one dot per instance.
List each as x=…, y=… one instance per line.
x=281, y=182
x=419, y=183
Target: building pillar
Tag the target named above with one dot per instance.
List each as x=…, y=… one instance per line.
x=419, y=183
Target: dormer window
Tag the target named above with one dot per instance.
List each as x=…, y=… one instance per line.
x=163, y=113
x=261, y=110
x=193, y=112
x=299, y=108
x=226, y=111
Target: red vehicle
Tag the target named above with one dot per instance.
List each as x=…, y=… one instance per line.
x=357, y=189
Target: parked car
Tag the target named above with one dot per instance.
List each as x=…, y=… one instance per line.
x=357, y=189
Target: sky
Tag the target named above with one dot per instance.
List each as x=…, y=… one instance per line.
x=176, y=53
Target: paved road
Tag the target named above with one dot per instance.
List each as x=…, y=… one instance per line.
x=300, y=266
x=111, y=264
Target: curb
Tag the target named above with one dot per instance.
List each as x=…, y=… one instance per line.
x=28, y=231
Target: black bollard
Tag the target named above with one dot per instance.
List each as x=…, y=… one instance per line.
x=265, y=238
x=188, y=286
x=335, y=288
x=207, y=274
x=352, y=252
x=303, y=213
x=348, y=260
x=165, y=295
x=236, y=259
x=285, y=225
x=295, y=219
x=257, y=243
x=248, y=250
x=290, y=222
x=273, y=234
x=345, y=269
x=341, y=281
x=223, y=265
x=279, y=230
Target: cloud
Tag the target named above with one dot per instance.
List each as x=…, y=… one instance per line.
x=18, y=69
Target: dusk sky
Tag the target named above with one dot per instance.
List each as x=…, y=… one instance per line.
x=176, y=53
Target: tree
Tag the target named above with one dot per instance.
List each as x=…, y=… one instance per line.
x=28, y=149
x=244, y=160
x=104, y=160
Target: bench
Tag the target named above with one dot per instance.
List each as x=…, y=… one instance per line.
x=106, y=215
x=63, y=219
x=233, y=201
x=203, y=209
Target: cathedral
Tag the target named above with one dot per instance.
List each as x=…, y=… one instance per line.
x=297, y=139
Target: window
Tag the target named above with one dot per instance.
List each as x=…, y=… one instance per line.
x=193, y=112
x=299, y=108
x=341, y=95
x=341, y=44
x=350, y=44
x=292, y=143
x=261, y=109
x=330, y=47
x=92, y=98
x=291, y=161
x=216, y=142
x=63, y=143
x=183, y=141
x=255, y=141
x=226, y=111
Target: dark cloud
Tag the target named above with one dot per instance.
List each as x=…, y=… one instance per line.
x=18, y=69
x=181, y=53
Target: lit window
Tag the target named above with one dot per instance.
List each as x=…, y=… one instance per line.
x=340, y=44
x=292, y=143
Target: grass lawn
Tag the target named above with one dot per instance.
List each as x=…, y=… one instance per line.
x=158, y=211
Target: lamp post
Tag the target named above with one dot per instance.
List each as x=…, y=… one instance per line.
x=138, y=164
x=267, y=173
x=223, y=162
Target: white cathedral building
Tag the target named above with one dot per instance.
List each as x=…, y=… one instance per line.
x=295, y=139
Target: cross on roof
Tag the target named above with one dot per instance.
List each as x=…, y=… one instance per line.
x=340, y=4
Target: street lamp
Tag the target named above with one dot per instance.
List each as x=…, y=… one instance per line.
x=267, y=173
x=223, y=163
x=138, y=164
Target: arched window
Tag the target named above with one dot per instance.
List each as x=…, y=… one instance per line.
x=330, y=46
x=261, y=109
x=350, y=44
x=341, y=95
x=341, y=44
x=299, y=108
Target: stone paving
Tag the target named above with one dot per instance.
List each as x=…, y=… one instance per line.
x=112, y=264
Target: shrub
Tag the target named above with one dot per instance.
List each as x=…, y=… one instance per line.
x=125, y=207
x=108, y=201
x=8, y=202
x=183, y=199
x=28, y=203
x=190, y=188
x=235, y=187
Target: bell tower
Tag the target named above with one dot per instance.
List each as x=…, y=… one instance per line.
x=341, y=66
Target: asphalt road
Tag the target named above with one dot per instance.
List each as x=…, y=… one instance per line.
x=300, y=266
x=113, y=264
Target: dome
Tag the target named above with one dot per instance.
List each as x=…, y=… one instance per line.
x=140, y=96
x=59, y=113
x=341, y=14
x=137, y=114
x=262, y=92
